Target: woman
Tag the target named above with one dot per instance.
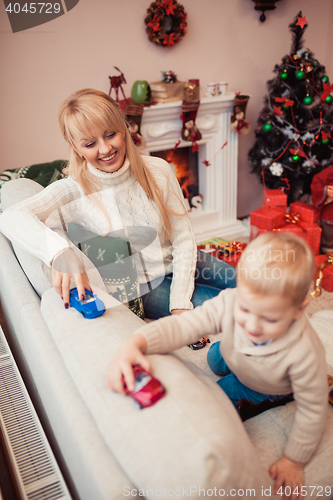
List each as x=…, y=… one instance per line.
x=109, y=187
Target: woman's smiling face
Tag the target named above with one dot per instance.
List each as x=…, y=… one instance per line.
x=103, y=149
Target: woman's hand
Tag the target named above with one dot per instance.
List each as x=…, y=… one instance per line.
x=67, y=265
x=129, y=354
x=286, y=472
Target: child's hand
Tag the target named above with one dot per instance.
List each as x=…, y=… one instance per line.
x=129, y=354
x=286, y=472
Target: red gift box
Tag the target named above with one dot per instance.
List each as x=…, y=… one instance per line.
x=267, y=218
x=310, y=232
x=312, y=235
x=274, y=198
x=231, y=252
x=327, y=280
x=307, y=213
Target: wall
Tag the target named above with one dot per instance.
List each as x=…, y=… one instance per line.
x=40, y=67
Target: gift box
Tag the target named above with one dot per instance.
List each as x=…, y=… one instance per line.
x=312, y=235
x=274, y=198
x=305, y=211
x=209, y=248
x=231, y=252
x=325, y=279
x=267, y=218
x=310, y=232
x=214, y=241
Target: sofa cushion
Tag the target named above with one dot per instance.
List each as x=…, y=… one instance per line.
x=37, y=272
x=191, y=438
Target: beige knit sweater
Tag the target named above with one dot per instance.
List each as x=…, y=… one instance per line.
x=293, y=363
x=36, y=224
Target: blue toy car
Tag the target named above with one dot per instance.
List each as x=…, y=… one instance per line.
x=91, y=307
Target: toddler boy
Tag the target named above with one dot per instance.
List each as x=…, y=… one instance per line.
x=268, y=349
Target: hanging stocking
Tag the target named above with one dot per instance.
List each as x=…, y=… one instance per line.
x=238, y=122
x=190, y=131
x=133, y=114
x=190, y=107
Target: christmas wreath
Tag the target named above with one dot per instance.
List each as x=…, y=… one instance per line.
x=166, y=22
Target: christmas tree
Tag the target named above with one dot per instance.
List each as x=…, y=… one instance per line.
x=294, y=135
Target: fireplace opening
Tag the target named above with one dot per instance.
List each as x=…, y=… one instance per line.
x=184, y=164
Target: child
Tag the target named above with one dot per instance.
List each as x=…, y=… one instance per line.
x=322, y=198
x=109, y=187
x=268, y=347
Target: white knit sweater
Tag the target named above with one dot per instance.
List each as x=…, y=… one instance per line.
x=37, y=225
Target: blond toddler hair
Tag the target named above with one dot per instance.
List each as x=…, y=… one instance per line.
x=277, y=263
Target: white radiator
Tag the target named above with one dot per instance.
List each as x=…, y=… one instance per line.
x=35, y=471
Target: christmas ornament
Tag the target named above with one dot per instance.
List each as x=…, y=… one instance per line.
x=141, y=92
x=276, y=169
x=116, y=83
x=267, y=127
x=166, y=22
x=329, y=99
x=325, y=137
x=284, y=74
x=264, y=5
x=301, y=21
x=307, y=100
x=324, y=79
x=300, y=75
x=327, y=90
x=238, y=122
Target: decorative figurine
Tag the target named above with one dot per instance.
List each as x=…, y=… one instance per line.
x=116, y=83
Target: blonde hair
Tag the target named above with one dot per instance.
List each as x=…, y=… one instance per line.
x=277, y=263
x=101, y=110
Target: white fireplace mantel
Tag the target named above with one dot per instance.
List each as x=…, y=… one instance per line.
x=161, y=126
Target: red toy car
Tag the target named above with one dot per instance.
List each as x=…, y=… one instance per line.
x=148, y=390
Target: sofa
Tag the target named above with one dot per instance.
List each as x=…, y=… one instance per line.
x=191, y=443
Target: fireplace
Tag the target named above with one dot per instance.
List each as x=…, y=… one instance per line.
x=217, y=183
x=184, y=163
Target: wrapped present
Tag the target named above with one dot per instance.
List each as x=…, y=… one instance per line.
x=267, y=218
x=305, y=211
x=311, y=232
x=231, y=252
x=324, y=274
x=214, y=241
x=312, y=236
x=274, y=198
x=209, y=248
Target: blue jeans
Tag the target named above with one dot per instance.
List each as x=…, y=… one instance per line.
x=212, y=275
x=233, y=388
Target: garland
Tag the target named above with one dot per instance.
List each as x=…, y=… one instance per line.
x=166, y=22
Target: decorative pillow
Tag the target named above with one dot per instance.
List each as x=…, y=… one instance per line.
x=42, y=173
x=38, y=273
x=115, y=263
